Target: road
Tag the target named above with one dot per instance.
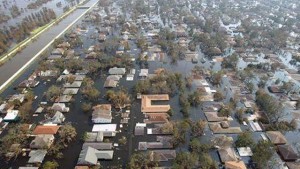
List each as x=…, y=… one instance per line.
x=16, y=65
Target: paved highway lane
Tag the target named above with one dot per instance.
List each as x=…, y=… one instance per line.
x=9, y=71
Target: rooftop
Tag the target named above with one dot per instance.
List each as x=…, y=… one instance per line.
x=147, y=106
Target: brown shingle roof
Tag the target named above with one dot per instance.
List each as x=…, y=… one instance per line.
x=293, y=165
x=287, y=153
x=276, y=137
x=45, y=130
x=227, y=154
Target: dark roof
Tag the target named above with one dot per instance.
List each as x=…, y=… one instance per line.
x=293, y=165
x=287, y=153
x=139, y=130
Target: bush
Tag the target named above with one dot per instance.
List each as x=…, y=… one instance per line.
x=86, y=107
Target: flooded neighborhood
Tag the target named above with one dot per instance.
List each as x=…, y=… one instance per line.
x=156, y=84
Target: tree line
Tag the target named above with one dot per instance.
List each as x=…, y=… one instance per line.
x=15, y=34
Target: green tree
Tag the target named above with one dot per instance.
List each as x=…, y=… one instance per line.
x=231, y=61
x=198, y=127
x=225, y=111
x=53, y=92
x=50, y=165
x=272, y=107
x=197, y=147
x=244, y=139
x=262, y=153
x=142, y=160
x=123, y=140
x=218, y=96
x=91, y=93
x=185, y=160
x=119, y=99
x=216, y=78
x=67, y=133
x=196, y=98
x=206, y=162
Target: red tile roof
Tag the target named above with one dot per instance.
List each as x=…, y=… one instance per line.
x=45, y=130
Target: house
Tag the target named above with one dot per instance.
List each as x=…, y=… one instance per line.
x=213, y=117
x=156, y=118
x=20, y=97
x=3, y=108
x=227, y=154
x=287, y=153
x=58, y=118
x=64, y=99
x=191, y=56
x=147, y=106
x=90, y=156
x=109, y=130
x=40, y=129
x=255, y=126
x=139, y=129
x=14, y=150
x=94, y=137
x=144, y=73
x=157, y=130
x=114, y=77
x=117, y=71
x=109, y=83
x=293, y=165
x=75, y=84
x=58, y=51
x=60, y=107
x=64, y=45
x=102, y=113
x=70, y=91
x=162, y=155
x=130, y=77
x=98, y=146
x=37, y=156
x=244, y=151
x=235, y=165
x=28, y=84
x=82, y=167
x=276, y=137
x=223, y=128
x=48, y=73
x=77, y=77
x=42, y=141
x=162, y=142
x=11, y=116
